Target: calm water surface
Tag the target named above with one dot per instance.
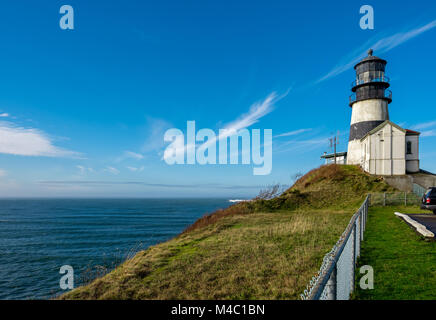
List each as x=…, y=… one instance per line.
x=37, y=237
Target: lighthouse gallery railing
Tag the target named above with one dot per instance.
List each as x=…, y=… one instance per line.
x=369, y=95
x=335, y=278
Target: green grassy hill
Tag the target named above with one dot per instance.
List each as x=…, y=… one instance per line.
x=262, y=249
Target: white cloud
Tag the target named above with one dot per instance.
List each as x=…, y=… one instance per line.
x=112, y=170
x=2, y=173
x=256, y=112
x=129, y=155
x=133, y=155
x=135, y=169
x=81, y=169
x=155, y=130
x=428, y=133
x=84, y=169
x=424, y=125
x=292, y=133
x=29, y=142
x=4, y=115
x=301, y=145
x=382, y=45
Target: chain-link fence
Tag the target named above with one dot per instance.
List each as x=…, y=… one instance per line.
x=395, y=199
x=335, y=278
x=419, y=190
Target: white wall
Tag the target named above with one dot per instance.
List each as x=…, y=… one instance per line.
x=383, y=152
x=339, y=160
x=412, y=160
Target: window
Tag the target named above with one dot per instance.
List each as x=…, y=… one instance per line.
x=409, y=147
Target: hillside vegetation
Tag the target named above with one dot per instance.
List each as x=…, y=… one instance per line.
x=262, y=249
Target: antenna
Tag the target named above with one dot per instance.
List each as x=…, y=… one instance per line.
x=334, y=141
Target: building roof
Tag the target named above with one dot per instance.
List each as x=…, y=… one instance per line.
x=381, y=125
x=332, y=155
x=370, y=57
x=412, y=133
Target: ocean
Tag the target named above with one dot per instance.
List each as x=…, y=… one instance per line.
x=37, y=237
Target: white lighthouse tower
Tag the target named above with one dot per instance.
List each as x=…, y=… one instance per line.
x=369, y=103
x=377, y=144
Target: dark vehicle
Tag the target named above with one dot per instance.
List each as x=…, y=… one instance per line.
x=429, y=200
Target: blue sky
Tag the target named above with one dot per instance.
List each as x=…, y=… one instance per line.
x=83, y=111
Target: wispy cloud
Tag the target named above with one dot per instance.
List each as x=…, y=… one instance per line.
x=382, y=45
x=130, y=155
x=29, y=142
x=155, y=130
x=4, y=115
x=2, y=173
x=292, y=133
x=111, y=170
x=255, y=113
x=302, y=145
x=136, y=169
x=83, y=169
x=424, y=125
x=140, y=183
x=428, y=133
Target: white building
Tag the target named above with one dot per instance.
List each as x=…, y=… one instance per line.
x=389, y=149
x=341, y=158
x=378, y=145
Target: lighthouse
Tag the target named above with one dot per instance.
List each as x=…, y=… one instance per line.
x=369, y=102
x=377, y=144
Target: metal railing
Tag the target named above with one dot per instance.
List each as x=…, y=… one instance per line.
x=335, y=278
x=381, y=78
x=370, y=95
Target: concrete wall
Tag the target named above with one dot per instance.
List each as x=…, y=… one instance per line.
x=403, y=183
x=424, y=180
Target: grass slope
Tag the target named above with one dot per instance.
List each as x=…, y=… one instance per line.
x=263, y=249
x=404, y=263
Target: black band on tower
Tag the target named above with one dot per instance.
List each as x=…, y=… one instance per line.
x=359, y=129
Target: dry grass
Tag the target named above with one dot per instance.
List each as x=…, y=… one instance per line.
x=331, y=186
x=262, y=249
x=258, y=256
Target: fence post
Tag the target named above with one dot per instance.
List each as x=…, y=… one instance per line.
x=332, y=285
x=384, y=199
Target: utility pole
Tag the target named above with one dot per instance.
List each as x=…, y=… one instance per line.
x=333, y=143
